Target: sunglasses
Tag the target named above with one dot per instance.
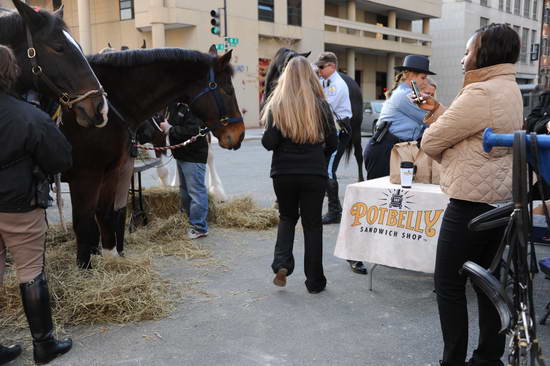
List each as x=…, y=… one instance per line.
x=321, y=67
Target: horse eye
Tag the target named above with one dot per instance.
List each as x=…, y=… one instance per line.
x=58, y=48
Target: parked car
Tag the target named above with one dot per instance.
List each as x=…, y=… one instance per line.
x=371, y=112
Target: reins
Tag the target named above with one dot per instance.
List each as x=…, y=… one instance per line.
x=224, y=121
x=65, y=98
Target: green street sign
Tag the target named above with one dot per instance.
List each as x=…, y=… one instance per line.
x=220, y=46
x=232, y=41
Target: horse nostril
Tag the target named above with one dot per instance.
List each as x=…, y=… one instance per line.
x=241, y=138
x=100, y=107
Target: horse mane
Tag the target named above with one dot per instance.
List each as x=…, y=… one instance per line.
x=142, y=57
x=273, y=72
x=11, y=25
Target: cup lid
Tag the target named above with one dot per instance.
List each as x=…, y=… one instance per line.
x=407, y=164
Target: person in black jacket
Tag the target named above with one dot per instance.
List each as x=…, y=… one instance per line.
x=180, y=126
x=301, y=133
x=538, y=120
x=32, y=147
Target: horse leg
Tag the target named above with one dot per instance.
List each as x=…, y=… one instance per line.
x=84, y=190
x=121, y=203
x=357, y=148
x=215, y=186
x=358, y=152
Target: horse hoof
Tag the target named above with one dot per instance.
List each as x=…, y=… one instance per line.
x=109, y=252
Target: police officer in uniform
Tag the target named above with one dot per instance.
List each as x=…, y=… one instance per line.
x=337, y=95
x=32, y=148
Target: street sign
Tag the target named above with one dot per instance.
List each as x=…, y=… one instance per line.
x=534, y=51
x=232, y=41
x=220, y=46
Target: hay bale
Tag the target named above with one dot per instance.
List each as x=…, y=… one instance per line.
x=242, y=212
x=116, y=290
x=159, y=202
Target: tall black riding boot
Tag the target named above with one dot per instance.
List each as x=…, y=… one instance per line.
x=8, y=354
x=36, y=303
x=334, y=213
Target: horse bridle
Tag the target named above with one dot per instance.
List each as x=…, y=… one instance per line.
x=66, y=99
x=213, y=88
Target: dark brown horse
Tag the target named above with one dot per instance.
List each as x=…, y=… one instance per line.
x=139, y=83
x=277, y=66
x=52, y=63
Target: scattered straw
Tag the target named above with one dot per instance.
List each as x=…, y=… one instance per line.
x=241, y=212
x=167, y=237
x=116, y=290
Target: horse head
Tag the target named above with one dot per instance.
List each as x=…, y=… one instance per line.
x=216, y=103
x=276, y=68
x=52, y=63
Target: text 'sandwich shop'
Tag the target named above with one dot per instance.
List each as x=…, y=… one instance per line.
x=391, y=226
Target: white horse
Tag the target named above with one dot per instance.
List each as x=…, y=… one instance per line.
x=168, y=176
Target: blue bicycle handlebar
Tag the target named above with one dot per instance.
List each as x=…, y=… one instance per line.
x=491, y=139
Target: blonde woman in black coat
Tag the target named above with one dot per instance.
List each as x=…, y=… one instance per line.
x=300, y=131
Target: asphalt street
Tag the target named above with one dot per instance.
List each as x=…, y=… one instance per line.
x=236, y=316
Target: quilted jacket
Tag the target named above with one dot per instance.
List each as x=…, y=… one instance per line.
x=490, y=98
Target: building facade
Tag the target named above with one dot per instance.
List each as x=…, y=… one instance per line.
x=461, y=18
x=370, y=37
x=544, y=66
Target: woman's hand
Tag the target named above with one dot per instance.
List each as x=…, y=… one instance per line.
x=426, y=103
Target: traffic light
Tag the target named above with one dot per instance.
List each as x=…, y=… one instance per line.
x=215, y=22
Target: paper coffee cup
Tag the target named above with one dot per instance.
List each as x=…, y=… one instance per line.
x=407, y=172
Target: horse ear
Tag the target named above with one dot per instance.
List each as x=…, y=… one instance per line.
x=59, y=12
x=109, y=45
x=31, y=17
x=224, y=60
x=305, y=54
x=213, y=50
x=144, y=44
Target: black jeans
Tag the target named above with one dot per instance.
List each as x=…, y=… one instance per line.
x=455, y=246
x=300, y=195
x=377, y=156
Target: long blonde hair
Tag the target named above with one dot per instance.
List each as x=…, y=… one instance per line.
x=294, y=104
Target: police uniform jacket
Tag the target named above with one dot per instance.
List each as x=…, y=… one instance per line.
x=28, y=138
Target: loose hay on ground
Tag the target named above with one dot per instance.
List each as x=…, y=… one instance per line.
x=167, y=237
x=116, y=290
x=241, y=212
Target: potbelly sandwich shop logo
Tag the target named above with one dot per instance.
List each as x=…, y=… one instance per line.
x=395, y=216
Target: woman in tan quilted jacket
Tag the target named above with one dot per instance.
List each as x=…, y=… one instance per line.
x=475, y=181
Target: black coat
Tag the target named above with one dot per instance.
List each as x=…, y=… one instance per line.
x=186, y=125
x=28, y=138
x=540, y=115
x=291, y=158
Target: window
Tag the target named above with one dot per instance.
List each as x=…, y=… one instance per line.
x=524, y=43
x=535, y=9
x=483, y=22
x=526, y=8
x=501, y=5
x=533, y=42
x=517, y=7
x=126, y=9
x=294, y=9
x=508, y=8
x=484, y=3
x=546, y=15
x=265, y=10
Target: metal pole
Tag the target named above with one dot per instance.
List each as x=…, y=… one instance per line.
x=225, y=17
x=225, y=43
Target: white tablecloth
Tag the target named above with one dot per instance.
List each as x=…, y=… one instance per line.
x=385, y=224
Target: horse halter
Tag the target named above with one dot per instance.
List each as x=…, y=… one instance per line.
x=66, y=99
x=214, y=88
